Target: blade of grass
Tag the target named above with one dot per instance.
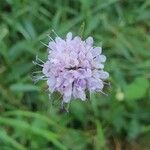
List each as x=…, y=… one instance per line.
x=30, y=114
x=50, y=136
x=9, y=140
x=100, y=138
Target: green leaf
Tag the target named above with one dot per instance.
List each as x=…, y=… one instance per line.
x=133, y=129
x=137, y=89
x=78, y=110
x=4, y=31
x=19, y=87
x=19, y=49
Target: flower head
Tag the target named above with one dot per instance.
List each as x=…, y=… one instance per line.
x=74, y=66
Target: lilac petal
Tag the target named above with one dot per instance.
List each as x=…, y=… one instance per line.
x=58, y=40
x=103, y=75
x=89, y=41
x=98, y=60
x=46, y=68
x=82, y=72
x=67, y=94
x=98, y=65
x=81, y=56
x=69, y=36
x=73, y=54
x=96, y=51
x=88, y=73
x=102, y=58
x=77, y=40
x=59, y=82
x=79, y=94
x=52, y=45
x=94, y=84
x=66, y=99
x=85, y=64
x=75, y=74
x=74, y=62
x=51, y=83
x=89, y=56
x=60, y=47
x=68, y=90
x=68, y=76
x=100, y=74
x=80, y=84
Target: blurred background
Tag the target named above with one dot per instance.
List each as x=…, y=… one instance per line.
x=119, y=121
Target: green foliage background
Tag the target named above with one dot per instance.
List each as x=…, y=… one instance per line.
x=118, y=121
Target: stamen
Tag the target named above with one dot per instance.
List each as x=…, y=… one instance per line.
x=107, y=83
x=50, y=37
x=37, y=78
x=38, y=59
x=55, y=32
x=44, y=44
x=62, y=105
x=36, y=72
x=103, y=93
x=36, y=63
x=51, y=101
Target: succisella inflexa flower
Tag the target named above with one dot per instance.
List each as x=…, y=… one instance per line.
x=73, y=67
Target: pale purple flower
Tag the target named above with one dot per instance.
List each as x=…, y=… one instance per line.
x=74, y=66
